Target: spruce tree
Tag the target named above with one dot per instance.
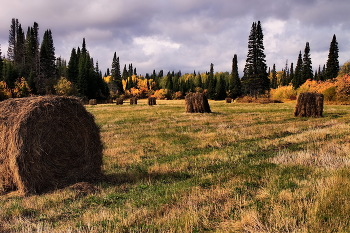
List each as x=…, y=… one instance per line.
x=332, y=66
x=235, y=86
x=307, y=72
x=274, y=77
x=115, y=73
x=12, y=40
x=220, y=88
x=297, y=79
x=211, y=83
x=255, y=80
x=73, y=67
x=47, y=56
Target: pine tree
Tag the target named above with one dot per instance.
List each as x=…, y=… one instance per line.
x=332, y=66
x=220, y=88
x=235, y=86
x=274, y=77
x=115, y=73
x=19, y=51
x=1, y=64
x=12, y=40
x=211, y=83
x=255, y=80
x=47, y=56
x=73, y=67
x=297, y=79
x=307, y=72
x=291, y=73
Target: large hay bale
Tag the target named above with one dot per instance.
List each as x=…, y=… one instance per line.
x=133, y=101
x=152, y=100
x=47, y=143
x=197, y=103
x=228, y=100
x=309, y=105
x=92, y=102
x=119, y=101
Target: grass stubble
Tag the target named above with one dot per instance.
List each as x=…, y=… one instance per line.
x=242, y=168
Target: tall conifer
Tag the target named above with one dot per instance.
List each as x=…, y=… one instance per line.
x=235, y=86
x=307, y=72
x=332, y=66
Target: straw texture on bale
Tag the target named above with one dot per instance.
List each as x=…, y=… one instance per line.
x=228, y=100
x=133, y=101
x=309, y=105
x=197, y=103
x=92, y=102
x=47, y=143
x=152, y=101
x=119, y=101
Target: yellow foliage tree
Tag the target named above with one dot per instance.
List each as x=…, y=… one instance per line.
x=65, y=87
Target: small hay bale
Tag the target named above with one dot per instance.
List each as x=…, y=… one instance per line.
x=119, y=101
x=228, y=100
x=133, y=101
x=152, y=100
x=197, y=103
x=309, y=105
x=92, y=102
x=46, y=143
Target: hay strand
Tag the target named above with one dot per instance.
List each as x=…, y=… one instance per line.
x=47, y=143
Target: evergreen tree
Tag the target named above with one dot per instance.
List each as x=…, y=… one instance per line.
x=32, y=50
x=73, y=67
x=297, y=79
x=274, y=77
x=47, y=57
x=307, y=72
x=235, y=86
x=61, y=66
x=255, y=80
x=12, y=40
x=211, y=83
x=125, y=74
x=115, y=73
x=332, y=67
x=220, y=88
x=19, y=51
x=291, y=73
x=1, y=64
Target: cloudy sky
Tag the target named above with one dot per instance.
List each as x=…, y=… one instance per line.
x=185, y=35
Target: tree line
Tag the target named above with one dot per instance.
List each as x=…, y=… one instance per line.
x=32, y=68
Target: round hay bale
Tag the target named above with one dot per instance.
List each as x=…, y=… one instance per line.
x=197, y=103
x=228, y=100
x=309, y=105
x=47, y=143
x=119, y=101
x=152, y=100
x=92, y=102
x=133, y=101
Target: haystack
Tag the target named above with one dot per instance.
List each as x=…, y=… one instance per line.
x=47, y=143
x=309, y=105
x=92, y=102
x=133, y=101
x=228, y=100
x=197, y=103
x=119, y=101
x=152, y=100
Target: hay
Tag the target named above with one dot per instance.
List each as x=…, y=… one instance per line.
x=47, y=143
x=119, y=101
x=228, y=100
x=197, y=103
x=133, y=101
x=309, y=105
x=92, y=102
x=152, y=100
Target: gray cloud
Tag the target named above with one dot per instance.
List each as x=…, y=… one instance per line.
x=185, y=35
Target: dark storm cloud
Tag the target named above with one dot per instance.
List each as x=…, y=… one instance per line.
x=185, y=35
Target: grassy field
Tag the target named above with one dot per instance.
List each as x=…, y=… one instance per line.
x=242, y=168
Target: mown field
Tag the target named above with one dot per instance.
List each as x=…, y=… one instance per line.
x=242, y=168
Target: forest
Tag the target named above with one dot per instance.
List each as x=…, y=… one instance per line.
x=31, y=68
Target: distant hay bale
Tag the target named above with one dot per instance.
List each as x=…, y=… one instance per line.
x=197, y=103
x=92, y=102
x=228, y=100
x=309, y=105
x=119, y=101
x=47, y=143
x=152, y=100
x=133, y=101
